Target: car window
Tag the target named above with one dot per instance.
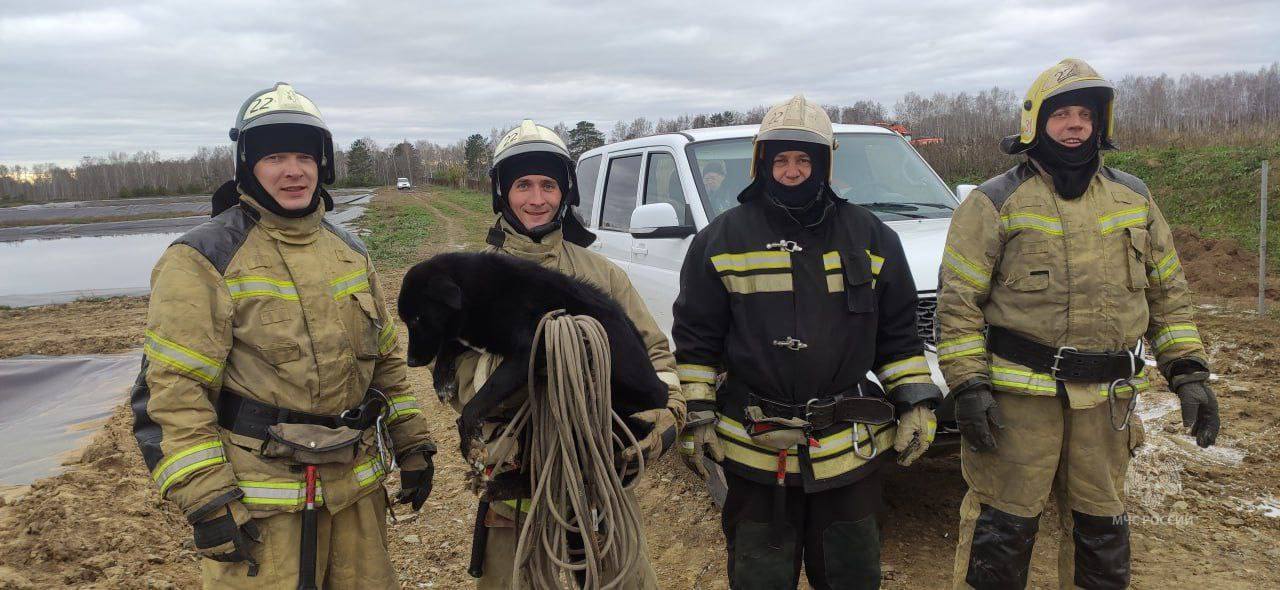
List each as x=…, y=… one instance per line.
x=662, y=185
x=588, y=174
x=619, y=198
x=879, y=171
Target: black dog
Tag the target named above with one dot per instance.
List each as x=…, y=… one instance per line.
x=494, y=302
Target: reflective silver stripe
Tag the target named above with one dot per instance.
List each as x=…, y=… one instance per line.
x=915, y=365
x=1141, y=382
x=387, y=339
x=762, y=259
x=877, y=263
x=184, y=462
x=242, y=287
x=965, y=346
x=1169, y=265
x=271, y=493
x=1175, y=334
x=696, y=374
x=968, y=271
x=368, y=472
x=831, y=261
x=181, y=358
x=1040, y=223
x=1018, y=380
x=351, y=283
x=1120, y=219
x=403, y=405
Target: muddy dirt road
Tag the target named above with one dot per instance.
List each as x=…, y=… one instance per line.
x=1206, y=519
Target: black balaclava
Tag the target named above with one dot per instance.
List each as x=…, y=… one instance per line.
x=803, y=201
x=260, y=142
x=1070, y=168
x=540, y=163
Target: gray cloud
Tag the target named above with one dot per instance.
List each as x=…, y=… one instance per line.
x=85, y=78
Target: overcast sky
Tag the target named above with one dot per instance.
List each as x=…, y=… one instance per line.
x=89, y=77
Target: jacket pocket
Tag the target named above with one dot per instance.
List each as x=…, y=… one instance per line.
x=859, y=290
x=274, y=312
x=280, y=352
x=1137, y=253
x=1028, y=266
x=368, y=326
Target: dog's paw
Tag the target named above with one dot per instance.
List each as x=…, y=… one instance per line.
x=448, y=391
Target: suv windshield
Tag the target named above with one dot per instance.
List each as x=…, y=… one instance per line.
x=878, y=171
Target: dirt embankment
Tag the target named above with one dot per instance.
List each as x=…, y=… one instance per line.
x=1199, y=516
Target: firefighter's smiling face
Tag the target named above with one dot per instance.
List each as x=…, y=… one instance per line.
x=535, y=199
x=289, y=177
x=1070, y=125
x=792, y=167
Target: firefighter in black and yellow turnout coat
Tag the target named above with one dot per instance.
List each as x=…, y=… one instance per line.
x=787, y=301
x=273, y=381
x=1053, y=273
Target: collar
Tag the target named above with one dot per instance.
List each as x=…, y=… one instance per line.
x=504, y=237
x=301, y=230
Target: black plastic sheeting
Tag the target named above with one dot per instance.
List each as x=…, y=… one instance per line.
x=51, y=406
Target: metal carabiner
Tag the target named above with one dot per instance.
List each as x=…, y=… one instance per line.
x=871, y=436
x=1129, y=406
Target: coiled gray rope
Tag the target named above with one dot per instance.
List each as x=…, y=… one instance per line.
x=577, y=490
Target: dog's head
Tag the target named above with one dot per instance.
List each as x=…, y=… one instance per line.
x=431, y=306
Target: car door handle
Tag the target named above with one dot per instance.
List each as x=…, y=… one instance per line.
x=639, y=250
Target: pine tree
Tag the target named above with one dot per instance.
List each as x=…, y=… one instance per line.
x=584, y=137
x=474, y=153
x=360, y=168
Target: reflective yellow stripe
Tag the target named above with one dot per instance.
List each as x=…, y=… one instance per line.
x=915, y=365
x=767, y=283
x=387, y=339
x=877, y=263
x=524, y=503
x=368, y=472
x=1032, y=221
x=350, y=283
x=278, y=493
x=253, y=286
x=757, y=260
x=970, y=272
x=971, y=345
x=403, y=405
x=834, y=455
x=1167, y=266
x=1140, y=382
x=698, y=391
x=831, y=261
x=1019, y=381
x=180, y=464
x=696, y=373
x=181, y=358
x=1175, y=334
x=1135, y=217
x=838, y=465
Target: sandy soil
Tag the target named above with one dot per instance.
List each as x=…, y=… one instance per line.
x=1199, y=516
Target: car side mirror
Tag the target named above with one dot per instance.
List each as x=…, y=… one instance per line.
x=658, y=220
x=963, y=190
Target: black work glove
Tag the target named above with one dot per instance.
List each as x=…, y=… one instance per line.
x=229, y=536
x=1199, y=406
x=416, y=471
x=976, y=414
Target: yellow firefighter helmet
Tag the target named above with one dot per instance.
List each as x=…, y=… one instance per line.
x=1068, y=75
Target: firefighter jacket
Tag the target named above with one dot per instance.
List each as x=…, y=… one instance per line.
x=553, y=252
x=793, y=314
x=1096, y=273
x=286, y=312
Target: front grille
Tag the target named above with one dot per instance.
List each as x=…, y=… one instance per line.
x=926, y=318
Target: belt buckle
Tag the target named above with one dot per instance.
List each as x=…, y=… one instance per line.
x=1057, y=359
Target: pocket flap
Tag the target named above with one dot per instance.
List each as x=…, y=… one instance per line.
x=1036, y=280
x=365, y=300
x=274, y=312
x=1140, y=240
x=280, y=352
x=857, y=268
x=313, y=438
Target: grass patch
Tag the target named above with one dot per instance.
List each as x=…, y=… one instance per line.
x=397, y=232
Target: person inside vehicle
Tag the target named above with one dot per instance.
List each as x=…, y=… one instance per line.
x=271, y=367
x=786, y=302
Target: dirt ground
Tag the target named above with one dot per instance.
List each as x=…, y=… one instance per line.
x=1201, y=518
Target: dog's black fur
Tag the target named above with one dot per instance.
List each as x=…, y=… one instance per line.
x=494, y=302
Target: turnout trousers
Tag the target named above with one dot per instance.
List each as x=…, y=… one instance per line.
x=1047, y=447
x=351, y=551
x=832, y=533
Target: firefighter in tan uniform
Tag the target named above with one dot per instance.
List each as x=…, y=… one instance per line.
x=534, y=186
x=1053, y=274
x=269, y=353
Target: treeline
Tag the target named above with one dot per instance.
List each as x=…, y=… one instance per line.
x=1240, y=108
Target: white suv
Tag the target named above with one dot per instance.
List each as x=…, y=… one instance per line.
x=645, y=198
x=403, y=184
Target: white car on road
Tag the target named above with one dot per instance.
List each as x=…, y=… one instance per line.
x=646, y=197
